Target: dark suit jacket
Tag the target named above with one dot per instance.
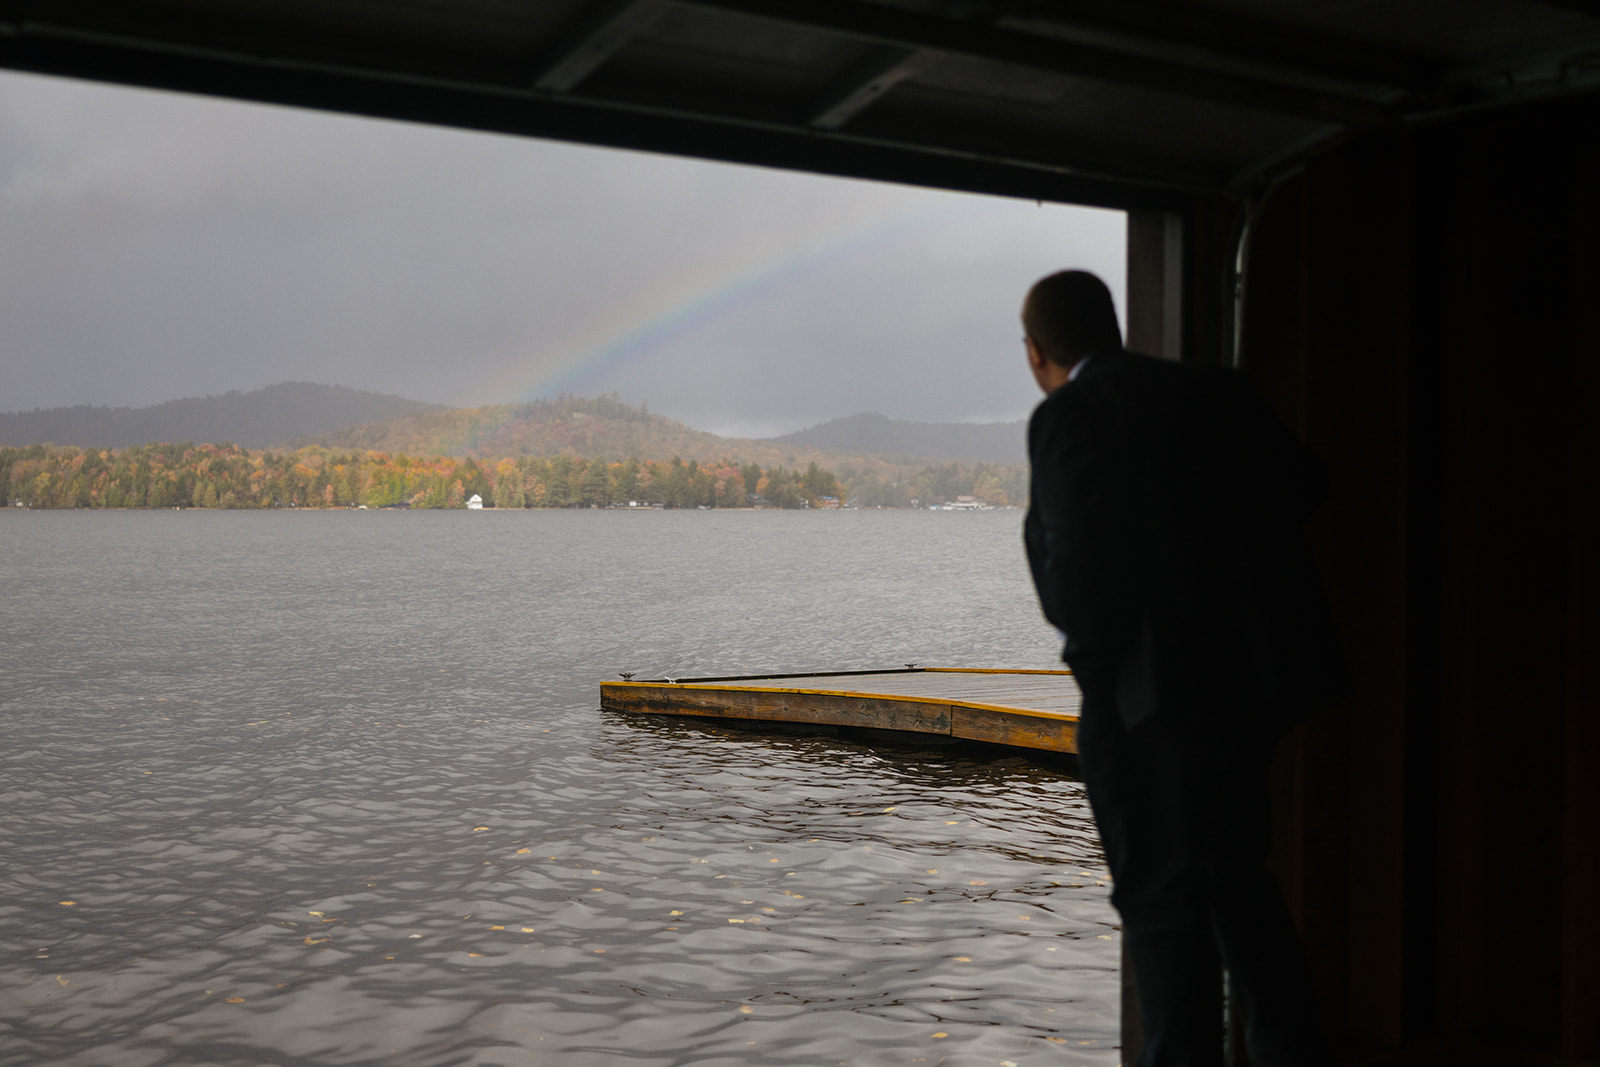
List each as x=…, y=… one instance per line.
x=1165, y=538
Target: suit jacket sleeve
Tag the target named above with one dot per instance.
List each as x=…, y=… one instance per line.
x=1081, y=532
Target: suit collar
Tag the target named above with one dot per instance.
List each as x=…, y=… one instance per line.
x=1094, y=364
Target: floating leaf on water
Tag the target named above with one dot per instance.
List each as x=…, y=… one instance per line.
x=62, y=979
x=527, y=929
x=746, y=1009
x=476, y=955
x=235, y=1000
x=475, y=829
x=674, y=912
x=69, y=903
x=319, y=914
x=736, y=920
x=522, y=851
x=963, y=959
x=317, y=940
x=941, y=1034
x=497, y=927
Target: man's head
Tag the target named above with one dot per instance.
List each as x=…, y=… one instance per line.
x=1068, y=315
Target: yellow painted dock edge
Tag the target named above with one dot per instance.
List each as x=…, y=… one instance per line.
x=961, y=719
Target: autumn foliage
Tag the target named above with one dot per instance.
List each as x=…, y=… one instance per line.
x=226, y=476
x=548, y=454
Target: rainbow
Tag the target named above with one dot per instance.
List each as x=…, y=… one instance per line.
x=682, y=302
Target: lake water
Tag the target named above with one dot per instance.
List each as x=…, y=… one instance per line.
x=334, y=788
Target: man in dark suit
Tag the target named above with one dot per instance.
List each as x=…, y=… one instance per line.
x=1164, y=536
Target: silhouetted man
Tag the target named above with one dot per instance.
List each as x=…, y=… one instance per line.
x=1164, y=535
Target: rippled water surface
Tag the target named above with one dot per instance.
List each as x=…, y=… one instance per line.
x=334, y=788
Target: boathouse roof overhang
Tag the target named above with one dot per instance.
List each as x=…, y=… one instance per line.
x=1123, y=103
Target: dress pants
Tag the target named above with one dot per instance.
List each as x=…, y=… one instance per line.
x=1184, y=820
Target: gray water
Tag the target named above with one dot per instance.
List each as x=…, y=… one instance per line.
x=334, y=788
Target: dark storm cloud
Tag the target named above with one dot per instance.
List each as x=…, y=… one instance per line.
x=159, y=246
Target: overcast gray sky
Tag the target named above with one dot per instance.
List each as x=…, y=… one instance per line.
x=156, y=246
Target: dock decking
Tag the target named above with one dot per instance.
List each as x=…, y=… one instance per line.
x=1025, y=709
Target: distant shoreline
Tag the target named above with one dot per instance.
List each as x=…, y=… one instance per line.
x=228, y=477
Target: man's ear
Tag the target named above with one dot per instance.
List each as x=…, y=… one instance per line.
x=1036, y=358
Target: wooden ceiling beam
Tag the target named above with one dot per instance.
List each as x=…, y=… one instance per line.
x=594, y=38
x=865, y=84
x=651, y=127
x=915, y=32
x=1226, y=40
x=1591, y=8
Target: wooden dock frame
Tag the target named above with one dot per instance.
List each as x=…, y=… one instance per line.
x=1029, y=709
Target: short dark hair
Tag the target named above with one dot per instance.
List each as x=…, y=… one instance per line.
x=1069, y=314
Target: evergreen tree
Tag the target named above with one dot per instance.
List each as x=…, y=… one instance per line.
x=597, y=485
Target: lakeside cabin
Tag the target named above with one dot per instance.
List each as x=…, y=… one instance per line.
x=475, y=502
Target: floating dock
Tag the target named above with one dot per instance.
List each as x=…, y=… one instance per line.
x=1024, y=709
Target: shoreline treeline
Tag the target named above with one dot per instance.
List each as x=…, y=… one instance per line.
x=227, y=476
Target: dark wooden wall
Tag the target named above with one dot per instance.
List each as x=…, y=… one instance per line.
x=1425, y=307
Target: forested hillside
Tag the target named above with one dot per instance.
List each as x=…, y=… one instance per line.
x=564, y=452
x=256, y=419
x=602, y=428
x=226, y=476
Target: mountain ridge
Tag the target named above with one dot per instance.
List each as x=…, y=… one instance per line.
x=257, y=418
x=869, y=433
x=294, y=415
